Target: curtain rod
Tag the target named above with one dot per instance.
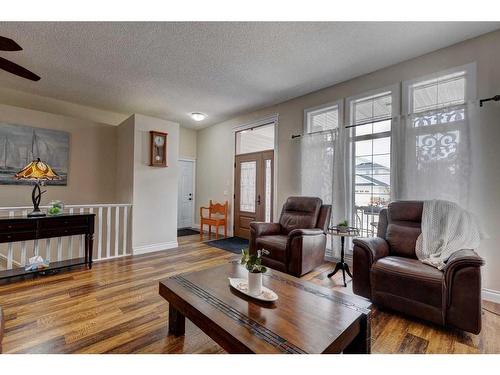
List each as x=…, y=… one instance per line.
x=294, y=136
x=495, y=98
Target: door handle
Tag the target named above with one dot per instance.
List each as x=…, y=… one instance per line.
x=258, y=199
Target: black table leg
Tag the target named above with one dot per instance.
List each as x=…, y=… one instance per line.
x=342, y=265
x=176, y=321
x=362, y=342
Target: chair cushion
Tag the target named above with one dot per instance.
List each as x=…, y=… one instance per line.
x=402, y=238
x=300, y=213
x=276, y=245
x=409, y=279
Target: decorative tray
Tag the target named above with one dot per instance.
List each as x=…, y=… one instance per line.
x=241, y=285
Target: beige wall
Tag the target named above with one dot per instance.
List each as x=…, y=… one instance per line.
x=214, y=165
x=124, y=183
x=154, y=225
x=92, y=159
x=61, y=107
x=187, y=143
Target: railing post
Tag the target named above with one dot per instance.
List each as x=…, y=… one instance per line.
x=99, y=236
x=10, y=252
x=80, y=245
x=125, y=227
x=117, y=229
x=70, y=240
x=108, y=232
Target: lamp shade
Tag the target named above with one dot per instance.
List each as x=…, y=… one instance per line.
x=37, y=170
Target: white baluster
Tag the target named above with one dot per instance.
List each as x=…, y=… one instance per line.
x=23, y=245
x=117, y=229
x=10, y=252
x=70, y=240
x=23, y=253
x=47, y=249
x=36, y=248
x=9, y=256
x=108, y=232
x=59, y=248
x=99, y=235
x=125, y=225
x=80, y=245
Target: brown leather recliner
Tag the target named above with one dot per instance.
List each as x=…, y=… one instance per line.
x=297, y=243
x=387, y=271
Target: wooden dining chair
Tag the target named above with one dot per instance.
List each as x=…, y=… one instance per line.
x=217, y=216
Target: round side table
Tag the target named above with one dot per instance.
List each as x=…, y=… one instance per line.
x=342, y=265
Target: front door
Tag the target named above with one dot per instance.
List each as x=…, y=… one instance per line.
x=185, y=201
x=253, y=198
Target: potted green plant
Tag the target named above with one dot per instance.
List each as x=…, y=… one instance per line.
x=55, y=208
x=253, y=263
x=342, y=226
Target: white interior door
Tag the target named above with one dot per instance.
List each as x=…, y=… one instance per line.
x=186, y=194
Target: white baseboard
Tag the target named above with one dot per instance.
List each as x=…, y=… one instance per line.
x=491, y=295
x=154, y=247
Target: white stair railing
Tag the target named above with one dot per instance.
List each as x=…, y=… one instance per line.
x=116, y=226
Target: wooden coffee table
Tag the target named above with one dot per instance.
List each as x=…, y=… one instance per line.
x=305, y=319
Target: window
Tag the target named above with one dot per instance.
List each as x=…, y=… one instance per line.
x=256, y=139
x=437, y=135
x=325, y=117
x=370, y=124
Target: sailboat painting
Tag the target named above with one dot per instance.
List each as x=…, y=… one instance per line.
x=19, y=145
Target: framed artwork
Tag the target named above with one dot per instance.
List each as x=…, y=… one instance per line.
x=19, y=145
x=158, y=148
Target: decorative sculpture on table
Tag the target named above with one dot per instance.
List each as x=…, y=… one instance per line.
x=37, y=171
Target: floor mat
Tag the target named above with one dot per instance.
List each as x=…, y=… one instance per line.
x=232, y=244
x=186, y=232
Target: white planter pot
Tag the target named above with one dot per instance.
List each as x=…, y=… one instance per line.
x=255, y=283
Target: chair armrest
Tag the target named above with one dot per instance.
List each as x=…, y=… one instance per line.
x=306, y=232
x=265, y=229
x=375, y=247
x=460, y=259
x=463, y=283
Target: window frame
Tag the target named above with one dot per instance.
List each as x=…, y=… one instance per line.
x=470, y=85
x=322, y=109
x=395, y=91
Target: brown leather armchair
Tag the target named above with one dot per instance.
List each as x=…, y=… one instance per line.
x=297, y=243
x=387, y=271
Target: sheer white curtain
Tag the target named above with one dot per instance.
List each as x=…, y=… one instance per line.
x=433, y=144
x=321, y=166
x=317, y=151
x=433, y=149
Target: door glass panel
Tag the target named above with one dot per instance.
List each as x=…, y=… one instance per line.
x=248, y=185
x=268, y=191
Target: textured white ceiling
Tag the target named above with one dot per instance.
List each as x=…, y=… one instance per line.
x=222, y=69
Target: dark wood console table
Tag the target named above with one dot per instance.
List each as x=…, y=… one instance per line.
x=22, y=228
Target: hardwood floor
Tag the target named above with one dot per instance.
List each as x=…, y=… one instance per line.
x=115, y=308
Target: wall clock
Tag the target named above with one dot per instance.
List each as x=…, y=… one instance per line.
x=158, y=149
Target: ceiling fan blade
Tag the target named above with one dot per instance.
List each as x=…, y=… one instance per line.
x=18, y=70
x=7, y=44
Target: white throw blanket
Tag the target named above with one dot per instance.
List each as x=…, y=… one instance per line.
x=446, y=228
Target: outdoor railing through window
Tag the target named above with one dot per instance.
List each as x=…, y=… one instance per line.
x=366, y=220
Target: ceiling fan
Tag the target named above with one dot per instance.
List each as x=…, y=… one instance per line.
x=7, y=44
